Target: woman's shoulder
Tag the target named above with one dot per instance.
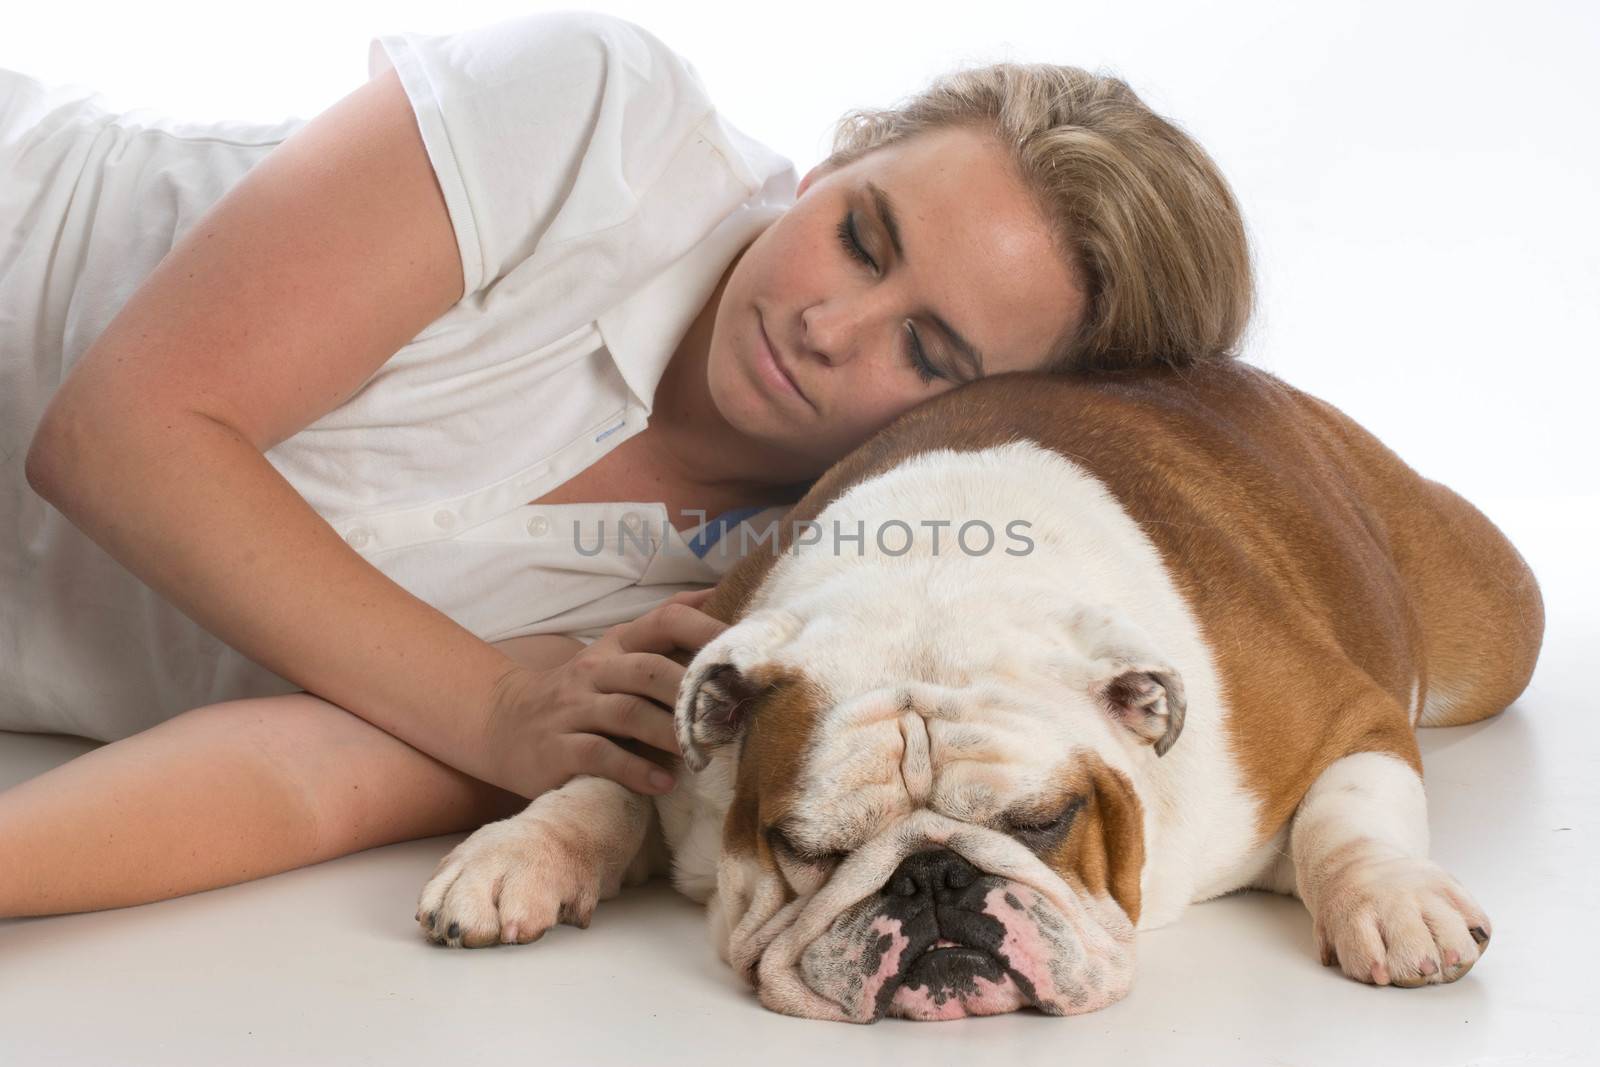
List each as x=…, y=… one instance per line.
x=572, y=49
x=547, y=128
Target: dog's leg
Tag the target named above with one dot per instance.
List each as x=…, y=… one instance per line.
x=1381, y=909
x=552, y=862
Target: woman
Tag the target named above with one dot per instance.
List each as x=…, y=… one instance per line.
x=363, y=296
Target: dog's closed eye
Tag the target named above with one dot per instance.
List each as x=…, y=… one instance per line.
x=780, y=842
x=1037, y=826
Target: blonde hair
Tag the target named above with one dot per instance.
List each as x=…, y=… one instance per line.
x=1140, y=212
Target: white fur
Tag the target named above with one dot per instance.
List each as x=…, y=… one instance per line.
x=1380, y=908
x=555, y=860
x=1441, y=703
x=967, y=656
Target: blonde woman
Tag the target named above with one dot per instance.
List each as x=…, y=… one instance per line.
x=359, y=472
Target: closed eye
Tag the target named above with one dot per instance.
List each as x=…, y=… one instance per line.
x=1029, y=824
x=781, y=843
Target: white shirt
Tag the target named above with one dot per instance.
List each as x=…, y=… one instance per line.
x=597, y=197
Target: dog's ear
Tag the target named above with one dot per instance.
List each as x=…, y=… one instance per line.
x=1149, y=702
x=725, y=681
x=1122, y=670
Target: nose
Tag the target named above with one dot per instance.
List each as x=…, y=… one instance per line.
x=931, y=873
x=835, y=331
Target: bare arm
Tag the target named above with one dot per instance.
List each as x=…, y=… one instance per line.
x=231, y=792
x=201, y=517
x=330, y=254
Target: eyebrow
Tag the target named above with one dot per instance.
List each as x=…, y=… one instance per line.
x=967, y=349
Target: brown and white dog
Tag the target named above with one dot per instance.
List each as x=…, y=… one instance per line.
x=943, y=772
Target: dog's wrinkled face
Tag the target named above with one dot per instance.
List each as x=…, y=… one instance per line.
x=928, y=818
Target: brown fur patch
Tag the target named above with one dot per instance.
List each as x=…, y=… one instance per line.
x=776, y=739
x=1103, y=852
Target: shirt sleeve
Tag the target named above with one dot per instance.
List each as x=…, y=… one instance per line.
x=542, y=127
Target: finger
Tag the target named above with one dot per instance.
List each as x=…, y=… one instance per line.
x=669, y=627
x=630, y=716
x=699, y=598
x=593, y=754
x=641, y=674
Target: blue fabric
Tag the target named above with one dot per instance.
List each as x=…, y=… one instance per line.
x=714, y=529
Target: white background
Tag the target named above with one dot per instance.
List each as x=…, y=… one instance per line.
x=1419, y=180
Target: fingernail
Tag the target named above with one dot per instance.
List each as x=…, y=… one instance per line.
x=661, y=779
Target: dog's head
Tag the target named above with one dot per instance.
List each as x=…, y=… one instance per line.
x=929, y=816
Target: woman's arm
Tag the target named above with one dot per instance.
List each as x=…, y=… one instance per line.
x=231, y=792
x=327, y=257
x=200, y=516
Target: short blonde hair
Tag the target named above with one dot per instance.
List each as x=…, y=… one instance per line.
x=1143, y=217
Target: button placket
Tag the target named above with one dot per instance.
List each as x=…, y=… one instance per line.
x=478, y=515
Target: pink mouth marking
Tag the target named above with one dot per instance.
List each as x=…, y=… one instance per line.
x=917, y=997
x=1061, y=964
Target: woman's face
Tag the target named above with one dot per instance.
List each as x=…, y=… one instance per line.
x=962, y=255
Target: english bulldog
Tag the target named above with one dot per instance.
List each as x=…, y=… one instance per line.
x=1040, y=664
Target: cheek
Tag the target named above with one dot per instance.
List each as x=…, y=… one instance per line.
x=782, y=265
x=882, y=394
x=724, y=383
x=854, y=415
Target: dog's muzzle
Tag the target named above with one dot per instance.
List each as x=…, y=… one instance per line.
x=952, y=943
x=942, y=939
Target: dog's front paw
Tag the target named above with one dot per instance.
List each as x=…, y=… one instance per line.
x=511, y=881
x=1399, y=921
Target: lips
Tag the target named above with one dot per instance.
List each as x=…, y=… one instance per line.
x=770, y=352
x=954, y=968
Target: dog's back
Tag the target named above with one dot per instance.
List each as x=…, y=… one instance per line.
x=1303, y=545
x=1267, y=464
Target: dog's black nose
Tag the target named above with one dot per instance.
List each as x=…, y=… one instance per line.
x=929, y=872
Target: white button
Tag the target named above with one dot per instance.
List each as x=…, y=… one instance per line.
x=632, y=520
x=444, y=519
x=357, y=537
x=538, y=526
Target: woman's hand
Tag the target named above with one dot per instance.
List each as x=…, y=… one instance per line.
x=547, y=726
